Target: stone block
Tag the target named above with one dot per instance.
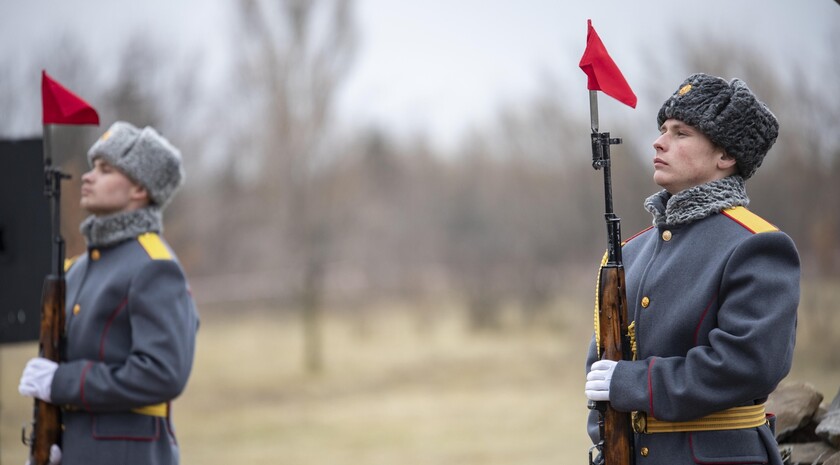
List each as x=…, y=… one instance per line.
x=829, y=426
x=795, y=404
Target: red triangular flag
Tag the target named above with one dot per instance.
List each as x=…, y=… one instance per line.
x=62, y=106
x=603, y=74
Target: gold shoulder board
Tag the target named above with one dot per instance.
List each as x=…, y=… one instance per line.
x=154, y=246
x=749, y=220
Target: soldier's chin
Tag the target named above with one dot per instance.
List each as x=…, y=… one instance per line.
x=90, y=207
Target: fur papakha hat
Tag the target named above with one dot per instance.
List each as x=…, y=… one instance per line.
x=144, y=156
x=729, y=114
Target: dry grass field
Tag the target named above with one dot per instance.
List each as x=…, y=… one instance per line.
x=395, y=389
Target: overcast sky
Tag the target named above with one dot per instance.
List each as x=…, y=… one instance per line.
x=442, y=66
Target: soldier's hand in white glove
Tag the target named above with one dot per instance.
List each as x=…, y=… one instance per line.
x=37, y=377
x=598, y=380
x=55, y=455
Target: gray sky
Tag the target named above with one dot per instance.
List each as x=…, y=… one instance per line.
x=442, y=66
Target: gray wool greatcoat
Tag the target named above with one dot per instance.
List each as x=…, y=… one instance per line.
x=131, y=326
x=717, y=331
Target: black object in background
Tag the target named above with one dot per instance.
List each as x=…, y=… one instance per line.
x=25, y=239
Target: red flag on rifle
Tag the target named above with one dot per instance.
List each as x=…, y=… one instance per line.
x=62, y=106
x=603, y=74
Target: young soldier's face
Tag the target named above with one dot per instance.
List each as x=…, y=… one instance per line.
x=685, y=158
x=106, y=190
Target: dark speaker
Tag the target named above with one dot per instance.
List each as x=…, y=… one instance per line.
x=25, y=239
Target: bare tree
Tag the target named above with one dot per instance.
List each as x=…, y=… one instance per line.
x=295, y=53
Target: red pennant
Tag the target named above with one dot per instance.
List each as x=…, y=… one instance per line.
x=602, y=71
x=62, y=106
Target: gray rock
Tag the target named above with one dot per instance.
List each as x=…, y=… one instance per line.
x=829, y=427
x=794, y=404
x=805, y=433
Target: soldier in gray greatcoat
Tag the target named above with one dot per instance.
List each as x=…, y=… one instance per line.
x=712, y=291
x=131, y=320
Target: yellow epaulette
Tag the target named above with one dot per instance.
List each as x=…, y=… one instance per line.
x=154, y=246
x=749, y=220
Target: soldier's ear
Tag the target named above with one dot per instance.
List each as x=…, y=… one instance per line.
x=138, y=192
x=725, y=161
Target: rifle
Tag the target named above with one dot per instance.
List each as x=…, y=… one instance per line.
x=46, y=417
x=616, y=446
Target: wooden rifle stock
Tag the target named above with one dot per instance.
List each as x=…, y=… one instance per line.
x=46, y=417
x=616, y=427
x=46, y=425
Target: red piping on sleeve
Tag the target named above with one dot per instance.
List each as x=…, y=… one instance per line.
x=650, y=387
x=82, y=384
x=703, y=317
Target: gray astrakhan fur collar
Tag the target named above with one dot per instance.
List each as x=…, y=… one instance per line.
x=697, y=202
x=103, y=231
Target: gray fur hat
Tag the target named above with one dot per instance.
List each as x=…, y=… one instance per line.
x=729, y=114
x=144, y=156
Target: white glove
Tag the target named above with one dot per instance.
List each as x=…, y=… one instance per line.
x=55, y=455
x=37, y=377
x=598, y=380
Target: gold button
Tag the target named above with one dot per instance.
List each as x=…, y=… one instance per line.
x=94, y=254
x=76, y=309
x=645, y=451
x=645, y=302
x=666, y=236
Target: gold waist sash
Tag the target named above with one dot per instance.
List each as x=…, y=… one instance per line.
x=751, y=416
x=157, y=410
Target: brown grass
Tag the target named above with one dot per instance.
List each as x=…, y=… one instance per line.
x=396, y=389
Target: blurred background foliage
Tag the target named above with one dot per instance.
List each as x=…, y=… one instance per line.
x=293, y=219
x=286, y=206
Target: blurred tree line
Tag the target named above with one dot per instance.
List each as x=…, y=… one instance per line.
x=285, y=205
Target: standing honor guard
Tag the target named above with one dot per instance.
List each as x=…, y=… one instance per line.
x=130, y=318
x=712, y=290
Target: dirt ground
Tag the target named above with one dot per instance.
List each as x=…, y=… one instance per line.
x=395, y=389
